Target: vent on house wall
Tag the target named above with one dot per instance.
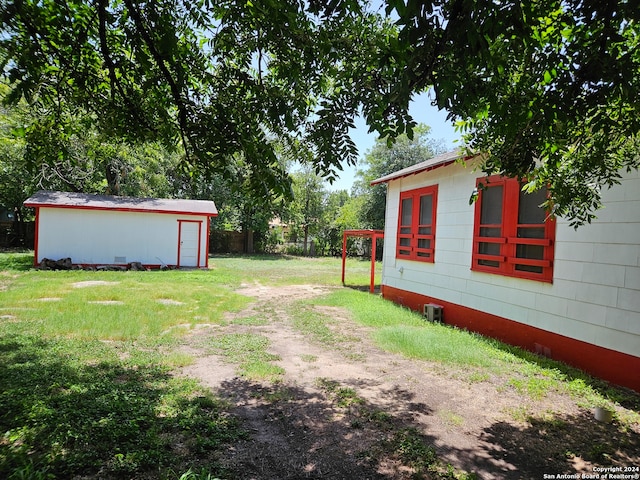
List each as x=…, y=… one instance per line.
x=433, y=312
x=119, y=259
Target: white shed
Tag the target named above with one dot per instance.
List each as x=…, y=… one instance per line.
x=500, y=267
x=96, y=230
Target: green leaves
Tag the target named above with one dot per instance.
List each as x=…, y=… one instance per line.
x=528, y=82
x=382, y=160
x=547, y=89
x=219, y=78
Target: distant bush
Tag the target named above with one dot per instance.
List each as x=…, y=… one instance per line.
x=293, y=249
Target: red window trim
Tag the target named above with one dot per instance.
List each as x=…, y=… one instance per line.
x=508, y=240
x=413, y=251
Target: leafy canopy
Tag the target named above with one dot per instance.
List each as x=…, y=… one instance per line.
x=547, y=89
x=382, y=160
x=221, y=78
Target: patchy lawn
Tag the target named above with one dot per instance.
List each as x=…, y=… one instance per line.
x=267, y=368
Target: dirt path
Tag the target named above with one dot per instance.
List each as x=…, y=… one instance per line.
x=304, y=427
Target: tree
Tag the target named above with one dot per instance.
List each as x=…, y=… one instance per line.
x=305, y=211
x=218, y=78
x=339, y=213
x=382, y=160
x=15, y=186
x=244, y=209
x=86, y=161
x=548, y=89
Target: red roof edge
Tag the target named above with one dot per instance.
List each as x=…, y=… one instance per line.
x=414, y=172
x=438, y=161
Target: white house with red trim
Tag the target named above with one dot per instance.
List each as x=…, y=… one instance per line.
x=96, y=230
x=500, y=267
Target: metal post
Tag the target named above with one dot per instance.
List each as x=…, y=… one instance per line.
x=344, y=253
x=373, y=263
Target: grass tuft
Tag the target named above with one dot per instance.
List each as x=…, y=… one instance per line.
x=435, y=343
x=250, y=352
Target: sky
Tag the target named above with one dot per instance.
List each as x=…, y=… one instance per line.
x=422, y=112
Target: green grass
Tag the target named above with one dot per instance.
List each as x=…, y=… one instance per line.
x=435, y=343
x=371, y=310
x=16, y=261
x=72, y=407
x=249, y=351
x=287, y=270
x=88, y=387
x=316, y=325
x=402, y=331
x=405, y=332
x=131, y=305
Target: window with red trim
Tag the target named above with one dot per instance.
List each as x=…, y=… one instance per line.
x=417, y=224
x=513, y=235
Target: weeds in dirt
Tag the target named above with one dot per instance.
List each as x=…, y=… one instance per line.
x=410, y=446
x=478, y=377
x=249, y=351
x=315, y=324
x=253, y=320
x=535, y=387
x=521, y=413
x=201, y=475
x=406, y=444
x=451, y=418
x=405, y=332
x=276, y=394
x=178, y=359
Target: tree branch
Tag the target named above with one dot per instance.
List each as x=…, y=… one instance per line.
x=162, y=65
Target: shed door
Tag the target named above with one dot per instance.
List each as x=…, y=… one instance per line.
x=189, y=243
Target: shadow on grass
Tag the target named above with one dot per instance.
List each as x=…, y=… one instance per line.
x=256, y=256
x=61, y=418
x=298, y=433
x=364, y=288
x=569, y=439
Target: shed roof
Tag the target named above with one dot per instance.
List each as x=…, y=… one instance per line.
x=128, y=204
x=435, y=162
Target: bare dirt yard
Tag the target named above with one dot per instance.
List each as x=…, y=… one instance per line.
x=353, y=411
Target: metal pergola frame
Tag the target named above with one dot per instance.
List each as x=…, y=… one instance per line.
x=374, y=235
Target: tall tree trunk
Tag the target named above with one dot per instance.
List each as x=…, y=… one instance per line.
x=18, y=229
x=249, y=236
x=306, y=237
x=113, y=179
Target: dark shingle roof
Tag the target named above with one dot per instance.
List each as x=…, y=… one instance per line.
x=110, y=202
x=435, y=162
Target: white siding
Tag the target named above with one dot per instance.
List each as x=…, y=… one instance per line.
x=108, y=237
x=595, y=294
